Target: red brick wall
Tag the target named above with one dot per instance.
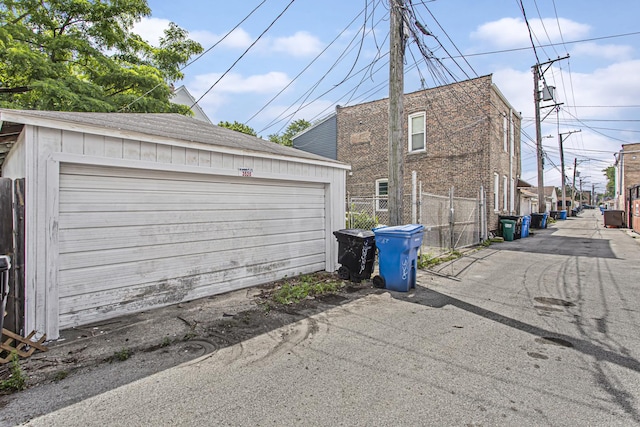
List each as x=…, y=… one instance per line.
x=464, y=145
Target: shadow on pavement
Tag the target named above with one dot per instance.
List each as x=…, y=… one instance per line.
x=434, y=299
x=560, y=245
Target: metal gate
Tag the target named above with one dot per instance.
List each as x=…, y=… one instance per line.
x=449, y=222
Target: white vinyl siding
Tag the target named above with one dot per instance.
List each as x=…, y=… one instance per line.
x=417, y=134
x=131, y=239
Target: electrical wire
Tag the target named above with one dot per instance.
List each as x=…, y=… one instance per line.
x=244, y=53
x=197, y=57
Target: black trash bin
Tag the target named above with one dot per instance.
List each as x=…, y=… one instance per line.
x=356, y=253
x=517, y=233
x=538, y=220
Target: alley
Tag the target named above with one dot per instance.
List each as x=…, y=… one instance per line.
x=539, y=331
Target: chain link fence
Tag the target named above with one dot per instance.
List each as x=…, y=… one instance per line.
x=449, y=222
x=366, y=212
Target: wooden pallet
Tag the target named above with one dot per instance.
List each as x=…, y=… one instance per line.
x=23, y=346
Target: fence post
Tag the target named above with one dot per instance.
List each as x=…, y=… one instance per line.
x=420, y=203
x=452, y=220
x=414, y=201
x=481, y=203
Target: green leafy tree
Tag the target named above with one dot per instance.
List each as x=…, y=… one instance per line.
x=238, y=127
x=610, y=173
x=292, y=130
x=81, y=55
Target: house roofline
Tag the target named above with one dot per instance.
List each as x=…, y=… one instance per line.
x=316, y=124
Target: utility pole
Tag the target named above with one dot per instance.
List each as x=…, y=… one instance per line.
x=564, y=195
x=396, y=112
x=573, y=189
x=538, y=73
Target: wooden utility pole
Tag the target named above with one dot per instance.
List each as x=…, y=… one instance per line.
x=537, y=75
x=536, y=97
x=564, y=194
x=573, y=190
x=396, y=112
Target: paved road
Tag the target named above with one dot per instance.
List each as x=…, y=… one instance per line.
x=540, y=331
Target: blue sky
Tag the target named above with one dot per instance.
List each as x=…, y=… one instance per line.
x=315, y=56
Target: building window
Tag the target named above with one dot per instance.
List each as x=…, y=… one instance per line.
x=511, y=136
x=417, y=139
x=382, y=194
x=505, y=192
x=496, y=192
x=512, y=196
x=505, y=133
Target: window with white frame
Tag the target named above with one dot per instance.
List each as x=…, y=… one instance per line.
x=511, y=136
x=505, y=133
x=512, y=196
x=505, y=192
x=417, y=134
x=382, y=194
x=496, y=192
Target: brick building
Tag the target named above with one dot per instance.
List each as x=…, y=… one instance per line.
x=627, y=175
x=464, y=135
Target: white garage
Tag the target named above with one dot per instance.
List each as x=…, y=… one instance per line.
x=126, y=212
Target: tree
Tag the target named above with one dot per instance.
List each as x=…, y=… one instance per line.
x=238, y=127
x=292, y=130
x=610, y=173
x=82, y=56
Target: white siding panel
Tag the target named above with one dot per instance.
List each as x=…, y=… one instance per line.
x=133, y=239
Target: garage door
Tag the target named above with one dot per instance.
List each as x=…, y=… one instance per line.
x=134, y=239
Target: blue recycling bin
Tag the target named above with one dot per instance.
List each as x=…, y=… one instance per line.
x=526, y=222
x=563, y=214
x=398, y=256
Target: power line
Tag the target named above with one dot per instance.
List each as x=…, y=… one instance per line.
x=546, y=45
x=244, y=53
x=197, y=57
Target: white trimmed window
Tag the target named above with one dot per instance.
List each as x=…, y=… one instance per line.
x=417, y=134
x=382, y=194
x=505, y=133
x=512, y=196
x=496, y=192
x=511, y=136
x=505, y=192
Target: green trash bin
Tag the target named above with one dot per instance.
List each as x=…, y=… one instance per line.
x=508, y=229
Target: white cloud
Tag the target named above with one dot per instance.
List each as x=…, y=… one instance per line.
x=151, y=29
x=236, y=83
x=614, y=85
x=238, y=39
x=606, y=51
x=300, y=44
x=512, y=32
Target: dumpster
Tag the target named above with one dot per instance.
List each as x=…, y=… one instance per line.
x=538, y=220
x=356, y=253
x=518, y=228
x=614, y=218
x=562, y=215
x=5, y=266
x=526, y=221
x=398, y=256
x=508, y=229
